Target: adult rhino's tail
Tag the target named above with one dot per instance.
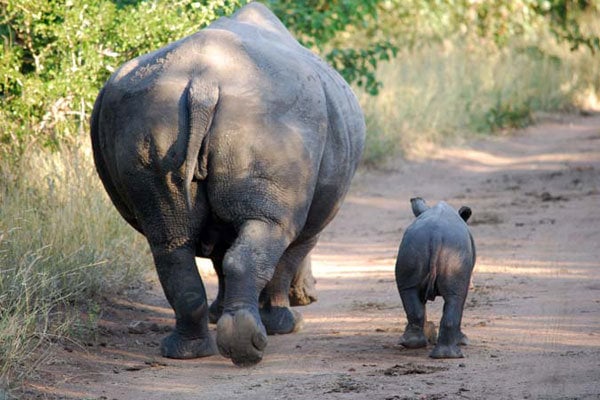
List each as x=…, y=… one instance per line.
x=202, y=99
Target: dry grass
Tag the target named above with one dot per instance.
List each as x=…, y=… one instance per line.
x=444, y=91
x=62, y=246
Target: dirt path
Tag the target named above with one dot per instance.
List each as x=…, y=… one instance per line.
x=533, y=316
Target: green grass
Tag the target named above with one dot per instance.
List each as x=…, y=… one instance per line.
x=444, y=91
x=62, y=247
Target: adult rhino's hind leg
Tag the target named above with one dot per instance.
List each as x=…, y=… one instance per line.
x=216, y=308
x=275, y=311
x=302, y=288
x=247, y=267
x=185, y=292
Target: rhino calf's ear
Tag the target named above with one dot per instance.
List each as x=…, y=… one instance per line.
x=464, y=212
x=418, y=206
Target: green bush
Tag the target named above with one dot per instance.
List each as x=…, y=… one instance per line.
x=57, y=54
x=326, y=27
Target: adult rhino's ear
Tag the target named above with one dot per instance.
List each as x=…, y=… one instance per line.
x=418, y=206
x=465, y=213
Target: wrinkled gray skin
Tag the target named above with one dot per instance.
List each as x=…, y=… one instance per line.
x=236, y=144
x=436, y=258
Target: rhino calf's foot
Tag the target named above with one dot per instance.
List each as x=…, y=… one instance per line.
x=176, y=346
x=242, y=337
x=281, y=320
x=463, y=340
x=446, y=351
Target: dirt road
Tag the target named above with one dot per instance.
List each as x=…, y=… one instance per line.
x=533, y=316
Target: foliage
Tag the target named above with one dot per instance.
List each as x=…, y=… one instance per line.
x=413, y=21
x=478, y=66
x=451, y=90
x=321, y=25
x=57, y=54
x=57, y=249
x=568, y=21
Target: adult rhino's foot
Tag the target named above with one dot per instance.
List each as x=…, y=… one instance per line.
x=413, y=338
x=446, y=351
x=242, y=337
x=281, y=320
x=215, y=311
x=176, y=346
x=430, y=332
x=303, y=294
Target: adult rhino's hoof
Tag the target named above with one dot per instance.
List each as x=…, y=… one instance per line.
x=304, y=293
x=444, y=351
x=413, y=338
x=215, y=311
x=281, y=320
x=430, y=332
x=175, y=346
x=241, y=337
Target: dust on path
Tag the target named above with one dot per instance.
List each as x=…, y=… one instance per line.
x=533, y=317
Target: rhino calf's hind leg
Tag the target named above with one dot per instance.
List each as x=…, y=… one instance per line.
x=414, y=335
x=185, y=292
x=450, y=335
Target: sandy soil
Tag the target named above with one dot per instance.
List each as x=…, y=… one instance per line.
x=533, y=315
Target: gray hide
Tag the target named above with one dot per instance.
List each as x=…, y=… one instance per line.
x=436, y=258
x=237, y=144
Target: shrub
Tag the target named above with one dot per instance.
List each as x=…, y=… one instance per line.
x=62, y=244
x=458, y=88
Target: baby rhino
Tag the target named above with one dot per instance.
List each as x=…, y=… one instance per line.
x=436, y=257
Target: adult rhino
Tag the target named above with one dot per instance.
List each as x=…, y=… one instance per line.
x=236, y=144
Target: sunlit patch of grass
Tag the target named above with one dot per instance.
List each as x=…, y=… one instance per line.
x=62, y=247
x=443, y=91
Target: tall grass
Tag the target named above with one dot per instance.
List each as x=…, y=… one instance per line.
x=442, y=91
x=62, y=246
